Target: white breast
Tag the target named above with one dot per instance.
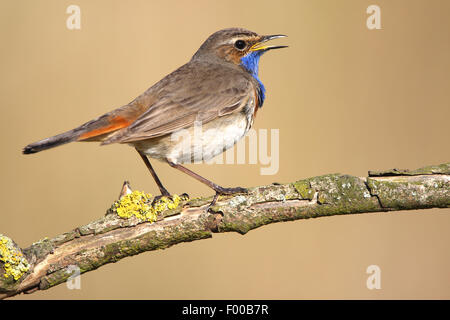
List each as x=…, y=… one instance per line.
x=209, y=140
x=201, y=142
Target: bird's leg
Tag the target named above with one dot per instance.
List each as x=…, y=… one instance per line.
x=218, y=189
x=164, y=192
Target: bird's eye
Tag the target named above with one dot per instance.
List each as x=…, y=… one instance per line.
x=240, y=44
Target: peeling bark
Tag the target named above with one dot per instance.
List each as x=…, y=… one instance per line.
x=112, y=238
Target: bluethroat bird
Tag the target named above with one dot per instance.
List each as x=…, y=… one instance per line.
x=219, y=88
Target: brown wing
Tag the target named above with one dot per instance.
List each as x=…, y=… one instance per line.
x=195, y=92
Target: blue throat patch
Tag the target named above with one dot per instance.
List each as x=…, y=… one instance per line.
x=251, y=63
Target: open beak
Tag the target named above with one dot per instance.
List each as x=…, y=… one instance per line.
x=260, y=45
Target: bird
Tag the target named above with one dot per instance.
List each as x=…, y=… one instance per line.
x=219, y=89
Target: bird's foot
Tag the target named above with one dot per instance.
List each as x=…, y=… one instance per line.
x=224, y=191
x=171, y=198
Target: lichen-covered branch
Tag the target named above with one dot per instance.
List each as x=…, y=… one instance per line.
x=131, y=226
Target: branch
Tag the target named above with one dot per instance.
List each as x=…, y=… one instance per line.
x=46, y=263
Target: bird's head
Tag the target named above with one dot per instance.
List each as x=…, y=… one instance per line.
x=238, y=46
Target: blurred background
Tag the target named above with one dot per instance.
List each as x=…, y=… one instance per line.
x=345, y=99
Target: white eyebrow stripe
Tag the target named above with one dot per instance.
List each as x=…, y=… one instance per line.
x=241, y=37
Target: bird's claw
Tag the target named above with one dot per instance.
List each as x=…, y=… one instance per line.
x=224, y=191
x=183, y=197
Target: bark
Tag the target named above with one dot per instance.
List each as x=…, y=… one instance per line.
x=49, y=262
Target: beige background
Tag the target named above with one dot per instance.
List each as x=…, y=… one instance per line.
x=346, y=99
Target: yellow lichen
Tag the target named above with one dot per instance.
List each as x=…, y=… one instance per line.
x=14, y=263
x=139, y=204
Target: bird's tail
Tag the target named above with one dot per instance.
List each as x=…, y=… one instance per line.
x=51, y=142
x=94, y=130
